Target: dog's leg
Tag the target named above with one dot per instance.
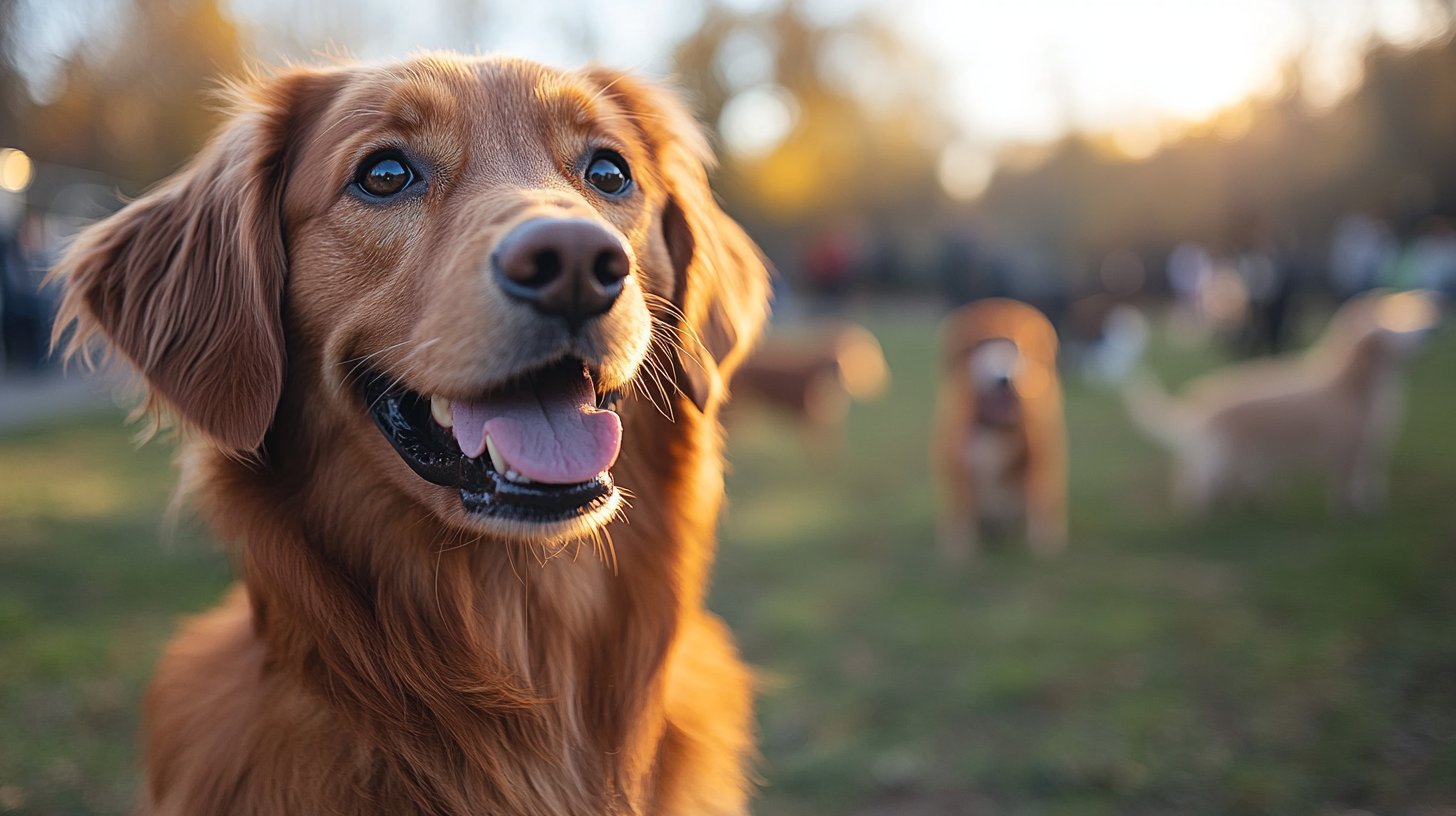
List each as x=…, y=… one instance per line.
x=959, y=539
x=826, y=408
x=958, y=530
x=1046, y=492
x=1360, y=485
x=959, y=533
x=1198, y=479
x=1046, y=520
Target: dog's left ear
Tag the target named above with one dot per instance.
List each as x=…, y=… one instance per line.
x=720, y=279
x=187, y=281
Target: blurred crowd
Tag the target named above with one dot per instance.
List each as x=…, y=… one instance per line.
x=1247, y=293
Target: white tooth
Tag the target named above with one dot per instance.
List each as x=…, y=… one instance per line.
x=513, y=476
x=498, y=461
x=440, y=410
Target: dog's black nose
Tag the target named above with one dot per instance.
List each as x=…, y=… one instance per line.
x=566, y=267
x=1002, y=381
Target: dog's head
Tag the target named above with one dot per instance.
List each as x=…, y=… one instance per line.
x=1001, y=353
x=996, y=371
x=1381, y=327
x=1407, y=318
x=470, y=261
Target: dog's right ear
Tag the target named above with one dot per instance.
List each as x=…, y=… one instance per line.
x=187, y=281
x=719, y=288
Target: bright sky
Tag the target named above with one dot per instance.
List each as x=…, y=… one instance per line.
x=1028, y=70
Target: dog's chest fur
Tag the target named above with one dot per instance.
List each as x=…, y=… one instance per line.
x=996, y=461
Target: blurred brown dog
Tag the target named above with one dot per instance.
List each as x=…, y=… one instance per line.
x=999, y=446
x=813, y=376
x=418, y=321
x=1334, y=411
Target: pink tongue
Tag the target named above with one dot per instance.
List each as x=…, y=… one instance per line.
x=549, y=430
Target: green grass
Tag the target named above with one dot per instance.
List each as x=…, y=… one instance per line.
x=91, y=585
x=1260, y=662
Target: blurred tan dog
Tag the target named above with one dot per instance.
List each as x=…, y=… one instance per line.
x=1333, y=410
x=998, y=447
x=813, y=376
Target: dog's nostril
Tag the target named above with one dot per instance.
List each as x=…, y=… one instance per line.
x=546, y=266
x=609, y=267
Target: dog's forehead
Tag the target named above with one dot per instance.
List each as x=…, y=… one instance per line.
x=493, y=110
x=994, y=357
x=484, y=90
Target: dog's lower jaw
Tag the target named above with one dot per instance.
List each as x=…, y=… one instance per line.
x=588, y=528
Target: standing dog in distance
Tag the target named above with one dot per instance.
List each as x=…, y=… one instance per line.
x=1333, y=411
x=998, y=446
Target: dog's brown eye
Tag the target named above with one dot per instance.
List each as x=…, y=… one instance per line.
x=384, y=176
x=608, y=173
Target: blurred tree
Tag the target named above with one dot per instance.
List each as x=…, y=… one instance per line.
x=1278, y=162
x=863, y=121
x=11, y=89
x=134, y=98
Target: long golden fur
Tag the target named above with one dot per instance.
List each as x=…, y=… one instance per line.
x=1332, y=411
x=386, y=651
x=998, y=445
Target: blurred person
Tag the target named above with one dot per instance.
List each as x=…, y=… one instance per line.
x=1124, y=338
x=1104, y=338
x=26, y=311
x=1224, y=301
x=812, y=376
x=1268, y=274
x=966, y=268
x=885, y=265
x=829, y=262
x=1032, y=277
x=1433, y=257
x=1333, y=410
x=998, y=443
x=1360, y=250
x=1189, y=270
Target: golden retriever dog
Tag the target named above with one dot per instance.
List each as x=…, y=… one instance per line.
x=1333, y=410
x=812, y=376
x=446, y=340
x=998, y=445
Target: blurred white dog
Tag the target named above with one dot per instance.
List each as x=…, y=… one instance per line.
x=1334, y=410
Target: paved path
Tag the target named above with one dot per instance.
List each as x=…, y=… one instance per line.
x=33, y=399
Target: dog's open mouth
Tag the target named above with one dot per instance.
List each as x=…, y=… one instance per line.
x=998, y=408
x=538, y=449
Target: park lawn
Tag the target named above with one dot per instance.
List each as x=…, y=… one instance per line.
x=1263, y=662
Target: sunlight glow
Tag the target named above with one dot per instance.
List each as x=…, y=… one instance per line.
x=756, y=121
x=964, y=170
x=16, y=170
